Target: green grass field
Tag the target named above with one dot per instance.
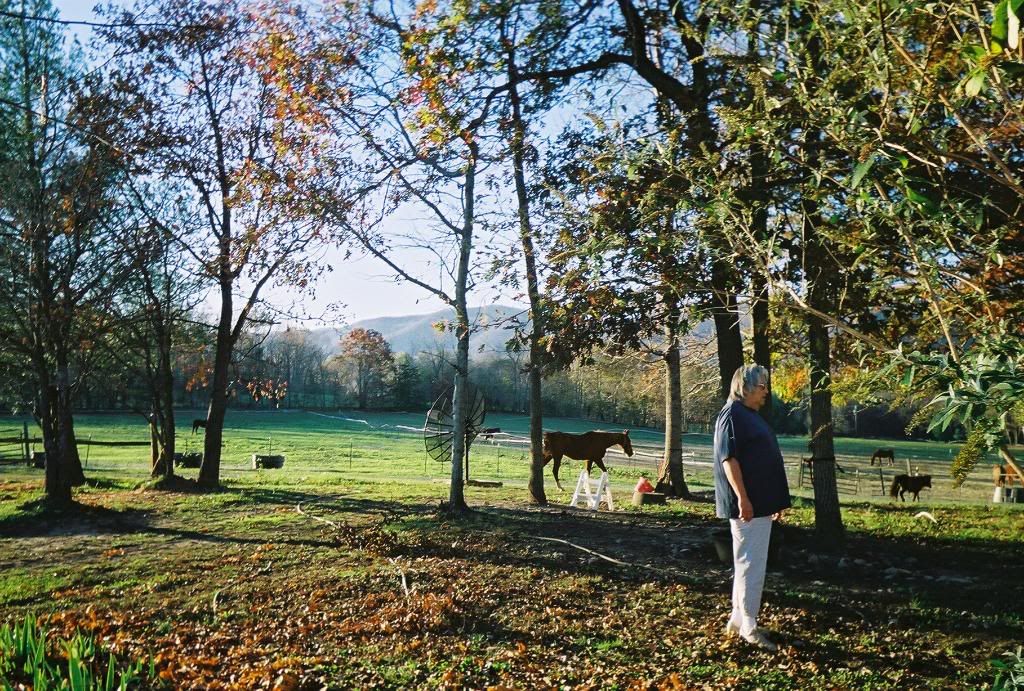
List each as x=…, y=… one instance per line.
x=338, y=573
x=386, y=446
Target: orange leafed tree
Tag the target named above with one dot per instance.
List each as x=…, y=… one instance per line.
x=367, y=359
x=228, y=87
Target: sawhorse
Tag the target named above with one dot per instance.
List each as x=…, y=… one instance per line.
x=593, y=496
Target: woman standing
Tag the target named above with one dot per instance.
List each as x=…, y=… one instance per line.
x=751, y=491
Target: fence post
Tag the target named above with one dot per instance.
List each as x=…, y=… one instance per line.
x=908, y=466
x=800, y=475
x=881, y=479
x=25, y=443
x=857, y=476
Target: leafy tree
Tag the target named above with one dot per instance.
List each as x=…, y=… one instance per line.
x=527, y=240
x=912, y=197
x=158, y=297
x=294, y=357
x=666, y=46
x=226, y=91
x=957, y=212
x=368, y=362
x=425, y=126
x=625, y=268
x=60, y=174
x=406, y=384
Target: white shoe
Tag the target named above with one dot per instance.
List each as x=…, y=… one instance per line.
x=731, y=628
x=758, y=639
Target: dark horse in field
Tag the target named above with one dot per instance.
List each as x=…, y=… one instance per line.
x=589, y=447
x=879, y=454
x=196, y=424
x=909, y=483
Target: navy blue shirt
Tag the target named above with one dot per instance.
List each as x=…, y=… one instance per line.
x=742, y=434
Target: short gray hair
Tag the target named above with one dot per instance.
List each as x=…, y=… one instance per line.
x=745, y=380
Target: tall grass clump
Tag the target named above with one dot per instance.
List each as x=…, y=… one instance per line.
x=76, y=664
x=1009, y=674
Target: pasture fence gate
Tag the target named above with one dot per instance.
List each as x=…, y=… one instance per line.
x=13, y=449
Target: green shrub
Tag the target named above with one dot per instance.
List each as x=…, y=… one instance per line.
x=82, y=666
x=1009, y=675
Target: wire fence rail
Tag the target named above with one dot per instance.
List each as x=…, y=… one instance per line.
x=856, y=477
x=18, y=446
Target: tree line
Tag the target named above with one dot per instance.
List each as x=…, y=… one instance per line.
x=849, y=176
x=294, y=369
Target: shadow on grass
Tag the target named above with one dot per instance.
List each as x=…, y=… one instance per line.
x=227, y=539
x=828, y=598
x=340, y=502
x=39, y=517
x=903, y=573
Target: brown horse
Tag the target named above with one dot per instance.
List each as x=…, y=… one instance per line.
x=909, y=483
x=1005, y=476
x=879, y=454
x=589, y=447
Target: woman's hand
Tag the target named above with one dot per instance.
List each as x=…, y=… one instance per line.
x=746, y=509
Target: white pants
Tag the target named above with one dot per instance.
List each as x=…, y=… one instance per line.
x=749, y=557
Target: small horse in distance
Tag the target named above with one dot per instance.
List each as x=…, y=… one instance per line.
x=879, y=454
x=1005, y=476
x=196, y=424
x=589, y=447
x=909, y=483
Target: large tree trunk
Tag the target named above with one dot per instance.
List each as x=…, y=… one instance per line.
x=671, y=479
x=536, y=483
x=460, y=402
x=828, y=521
x=71, y=461
x=759, y=279
x=757, y=196
x=162, y=419
x=57, y=484
x=727, y=325
x=63, y=466
x=167, y=390
x=209, y=472
x=819, y=271
x=456, y=494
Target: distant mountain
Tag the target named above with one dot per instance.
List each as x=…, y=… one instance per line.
x=415, y=333
x=495, y=324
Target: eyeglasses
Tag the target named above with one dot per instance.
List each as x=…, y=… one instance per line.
x=763, y=386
